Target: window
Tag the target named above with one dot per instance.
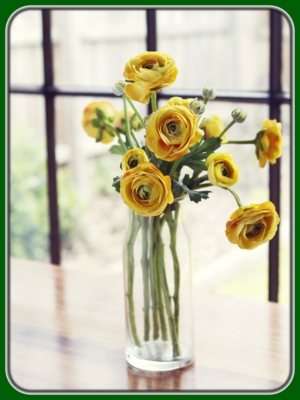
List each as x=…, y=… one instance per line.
x=68, y=58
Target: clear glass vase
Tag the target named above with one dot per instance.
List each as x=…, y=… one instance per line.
x=158, y=280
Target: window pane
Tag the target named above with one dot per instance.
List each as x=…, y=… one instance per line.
x=29, y=227
x=92, y=47
x=26, y=62
x=227, y=49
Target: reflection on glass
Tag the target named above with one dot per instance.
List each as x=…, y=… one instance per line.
x=167, y=381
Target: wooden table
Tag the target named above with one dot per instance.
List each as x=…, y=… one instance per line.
x=67, y=333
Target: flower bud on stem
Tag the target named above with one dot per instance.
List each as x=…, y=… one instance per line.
x=136, y=111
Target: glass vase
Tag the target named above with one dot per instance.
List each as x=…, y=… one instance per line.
x=158, y=280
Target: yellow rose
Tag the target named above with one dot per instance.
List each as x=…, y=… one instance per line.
x=213, y=126
x=253, y=225
x=133, y=158
x=146, y=190
x=271, y=142
x=221, y=169
x=89, y=113
x=171, y=131
x=178, y=101
x=120, y=117
x=150, y=72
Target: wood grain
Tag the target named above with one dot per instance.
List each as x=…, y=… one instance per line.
x=67, y=332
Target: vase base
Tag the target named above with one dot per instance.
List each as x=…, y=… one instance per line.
x=153, y=356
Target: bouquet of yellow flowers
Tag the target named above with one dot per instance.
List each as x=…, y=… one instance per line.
x=177, y=137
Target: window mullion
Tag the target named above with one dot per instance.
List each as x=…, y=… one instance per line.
x=54, y=237
x=274, y=170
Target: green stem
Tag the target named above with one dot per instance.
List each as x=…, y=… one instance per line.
x=135, y=110
x=153, y=102
x=165, y=289
x=195, y=180
x=135, y=139
x=173, y=224
x=127, y=123
x=144, y=262
x=153, y=279
x=241, y=142
x=135, y=225
x=122, y=144
x=174, y=167
x=226, y=129
x=237, y=199
x=160, y=300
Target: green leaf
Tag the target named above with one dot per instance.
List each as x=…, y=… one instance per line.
x=261, y=133
x=198, y=196
x=196, y=165
x=199, y=153
x=259, y=145
x=177, y=189
x=100, y=114
x=193, y=184
x=95, y=122
x=186, y=180
x=116, y=183
x=116, y=149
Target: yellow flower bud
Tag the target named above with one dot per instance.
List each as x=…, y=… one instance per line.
x=132, y=158
x=252, y=225
x=222, y=171
x=213, y=126
x=179, y=101
x=146, y=190
x=89, y=114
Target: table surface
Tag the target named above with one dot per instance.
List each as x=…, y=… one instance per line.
x=67, y=332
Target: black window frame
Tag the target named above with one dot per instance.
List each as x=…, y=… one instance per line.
x=274, y=98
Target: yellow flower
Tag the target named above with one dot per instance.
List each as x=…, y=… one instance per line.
x=253, y=225
x=146, y=190
x=221, y=169
x=150, y=72
x=89, y=113
x=178, y=101
x=213, y=126
x=133, y=158
x=119, y=119
x=171, y=131
x=271, y=142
